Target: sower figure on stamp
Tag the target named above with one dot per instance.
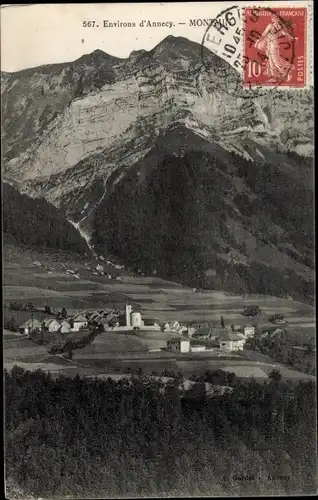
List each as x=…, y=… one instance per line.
x=276, y=66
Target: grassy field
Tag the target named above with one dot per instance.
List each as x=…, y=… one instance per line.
x=49, y=284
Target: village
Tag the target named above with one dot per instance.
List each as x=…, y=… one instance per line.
x=94, y=332
x=92, y=313
x=187, y=337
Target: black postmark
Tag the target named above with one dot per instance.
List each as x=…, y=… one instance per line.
x=223, y=70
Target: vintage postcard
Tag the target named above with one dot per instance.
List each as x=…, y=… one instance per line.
x=159, y=327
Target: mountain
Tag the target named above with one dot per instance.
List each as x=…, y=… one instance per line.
x=151, y=157
x=211, y=219
x=36, y=223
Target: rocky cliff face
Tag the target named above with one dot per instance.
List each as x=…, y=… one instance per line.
x=75, y=132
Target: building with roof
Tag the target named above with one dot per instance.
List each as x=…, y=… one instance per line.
x=206, y=333
x=95, y=317
x=65, y=327
x=181, y=329
x=178, y=345
x=176, y=327
x=50, y=325
x=131, y=320
x=78, y=322
x=230, y=341
x=171, y=326
x=249, y=331
x=29, y=326
x=150, y=323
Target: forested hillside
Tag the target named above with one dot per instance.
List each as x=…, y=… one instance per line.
x=214, y=221
x=36, y=223
x=101, y=439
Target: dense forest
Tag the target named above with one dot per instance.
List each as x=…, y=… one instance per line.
x=182, y=217
x=36, y=223
x=92, y=438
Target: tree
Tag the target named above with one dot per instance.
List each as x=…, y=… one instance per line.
x=11, y=325
x=23, y=213
x=252, y=310
x=217, y=377
x=252, y=342
x=16, y=306
x=276, y=317
x=231, y=379
x=275, y=375
x=47, y=310
x=64, y=313
x=197, y=391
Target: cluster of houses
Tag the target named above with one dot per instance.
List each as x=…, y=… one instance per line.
x=53, y=325
x=107, y=319
x=226, y=338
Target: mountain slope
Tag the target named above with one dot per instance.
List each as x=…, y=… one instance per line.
x=103, y=132
x=210, y=219
x=36, y=223
x=64, y=113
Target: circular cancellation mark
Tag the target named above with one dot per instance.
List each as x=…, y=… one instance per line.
x=229, y=79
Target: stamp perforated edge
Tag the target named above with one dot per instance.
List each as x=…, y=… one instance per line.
x=308, y=42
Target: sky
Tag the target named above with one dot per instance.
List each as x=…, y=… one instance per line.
x=36, y=34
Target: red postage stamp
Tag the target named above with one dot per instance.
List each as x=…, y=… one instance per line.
x=274, y=47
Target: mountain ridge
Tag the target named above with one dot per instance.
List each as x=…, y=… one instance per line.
x=80, y=133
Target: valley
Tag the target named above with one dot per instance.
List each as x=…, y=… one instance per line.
x=48, y=284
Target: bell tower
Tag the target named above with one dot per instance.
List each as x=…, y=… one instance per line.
x=128, y=312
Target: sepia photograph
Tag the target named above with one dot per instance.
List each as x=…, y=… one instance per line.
x=158, y=243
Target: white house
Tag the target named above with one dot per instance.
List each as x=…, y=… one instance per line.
x=181, y=329
x=51, y=324
x=178, y=345
x=172, y=326
x=29, y=326
x=249, y=331
x=65, y=327
x=175, y=326
x=78, y=322
x=232, y=341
